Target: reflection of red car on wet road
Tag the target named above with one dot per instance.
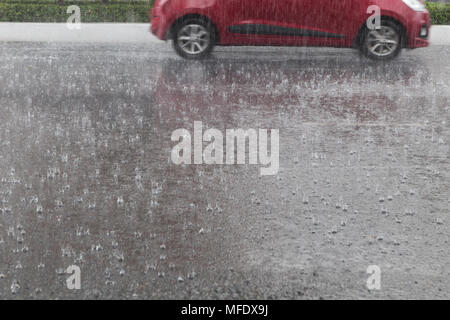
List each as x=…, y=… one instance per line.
x=197, y=25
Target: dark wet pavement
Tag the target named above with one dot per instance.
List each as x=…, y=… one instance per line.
x=86, y=176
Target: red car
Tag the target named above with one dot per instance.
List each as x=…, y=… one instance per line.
x=379, y=28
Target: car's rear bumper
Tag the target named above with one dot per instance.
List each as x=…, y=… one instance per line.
x=418, y=30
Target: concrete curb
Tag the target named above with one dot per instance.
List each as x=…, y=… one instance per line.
x=117, y=33
x=89, y=32
x=440, y=35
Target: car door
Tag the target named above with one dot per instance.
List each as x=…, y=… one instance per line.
x=324, y=19
x=243, y=12
x=288, y=21
x=291, y=21
x=248, y=20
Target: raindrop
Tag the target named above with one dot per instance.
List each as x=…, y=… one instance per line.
x=109, y=283
x=97, y=247
x=305, y=199
x=192, y=275
x=119, y=256
x=15, y=287
x=59, y=203
x=60, y=271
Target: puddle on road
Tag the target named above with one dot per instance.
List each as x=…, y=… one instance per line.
x=86, y=177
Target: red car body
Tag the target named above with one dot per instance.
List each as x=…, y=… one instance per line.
x=333, y=23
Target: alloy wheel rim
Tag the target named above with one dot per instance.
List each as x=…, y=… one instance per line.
x=193, y=39
x=383, y=41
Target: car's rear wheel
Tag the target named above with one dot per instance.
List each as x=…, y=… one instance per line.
x=194, y=38
x=384, y=43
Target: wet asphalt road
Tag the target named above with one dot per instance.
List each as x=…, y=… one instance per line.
x=86, y=177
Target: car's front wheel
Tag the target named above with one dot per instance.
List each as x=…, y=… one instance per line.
x=194, y=38
x=383, y=43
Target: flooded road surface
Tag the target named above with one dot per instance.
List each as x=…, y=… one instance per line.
x=86, y=176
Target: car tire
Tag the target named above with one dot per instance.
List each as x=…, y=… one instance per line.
x=382, y=44
x=194, y=38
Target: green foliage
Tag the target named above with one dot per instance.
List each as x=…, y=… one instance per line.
x=91, y=11
x=440, y=12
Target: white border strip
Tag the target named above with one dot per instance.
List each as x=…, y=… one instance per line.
x=117, y=33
